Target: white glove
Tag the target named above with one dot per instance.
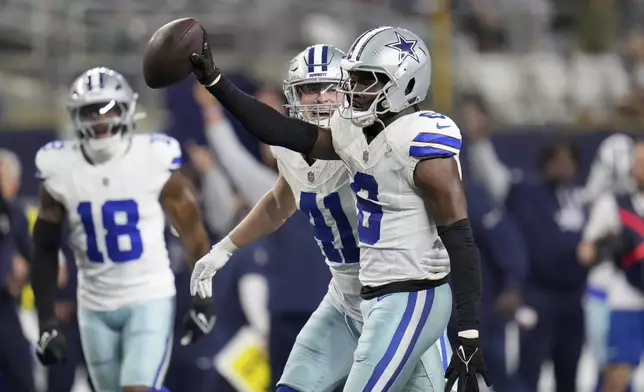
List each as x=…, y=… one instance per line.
x=208, y=265
x=436, y=259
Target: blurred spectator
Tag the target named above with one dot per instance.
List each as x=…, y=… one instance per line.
x=550, y=215
x=16, y=359
x=220, y=203
x=600, y=81
x=504, y=263
x=296, y=283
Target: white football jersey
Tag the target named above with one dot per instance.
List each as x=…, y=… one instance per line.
x=115, y=218
x=394, y=228
x=323, y=193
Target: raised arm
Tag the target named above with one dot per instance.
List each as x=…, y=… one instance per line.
x=487, y=166
x=238, y=162
x=267, y=216
x=259, y=119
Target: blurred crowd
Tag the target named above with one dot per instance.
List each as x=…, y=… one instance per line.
x=533, y=61
x=541, y=62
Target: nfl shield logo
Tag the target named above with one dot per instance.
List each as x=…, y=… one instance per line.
x=106, y=181
x=310, y=176
x=365, y=156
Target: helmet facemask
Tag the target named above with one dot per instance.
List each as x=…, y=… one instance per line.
x=102, y=126
x=365, y=95
x=312, y=101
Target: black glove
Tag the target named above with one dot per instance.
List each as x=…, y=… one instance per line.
x=52, y=346
x=198, y=322
x=466, y=363
x=203, y=65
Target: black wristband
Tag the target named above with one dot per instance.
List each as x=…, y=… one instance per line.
x=264, y=122
x=465, y=263
x=44, y=276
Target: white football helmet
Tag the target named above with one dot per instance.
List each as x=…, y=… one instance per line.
x=388, y=69
x=101, y=105
x=314, y=74
x=611, y=168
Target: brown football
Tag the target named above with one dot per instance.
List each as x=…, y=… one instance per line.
x=166, y=59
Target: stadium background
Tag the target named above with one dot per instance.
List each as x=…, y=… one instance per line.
x=541, y=68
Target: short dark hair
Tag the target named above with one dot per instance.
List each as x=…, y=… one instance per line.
x=551, y=149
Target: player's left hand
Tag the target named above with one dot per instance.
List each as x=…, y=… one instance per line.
x=203, y=65
x=52, y=346
x=205, y=269
x=198, y=322
x=465, y=365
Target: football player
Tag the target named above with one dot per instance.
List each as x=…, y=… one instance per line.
x=404, y=168
x=610, y=175
x=323, y=352
x=113, y=187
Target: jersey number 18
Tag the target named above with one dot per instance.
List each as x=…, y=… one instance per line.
x=120, y=219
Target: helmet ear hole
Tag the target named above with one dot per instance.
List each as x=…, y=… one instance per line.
x=410, y=86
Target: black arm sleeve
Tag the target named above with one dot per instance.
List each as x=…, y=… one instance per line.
x=466, y=271
x=23, y=239
x=44, y=277
x=264, y=122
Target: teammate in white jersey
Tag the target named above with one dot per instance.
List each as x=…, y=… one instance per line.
x=616, y=216
x=114, y=187
x=323, y=352
x=405, y=173
x=610, y=173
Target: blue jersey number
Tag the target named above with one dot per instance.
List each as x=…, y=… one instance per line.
x=120, y=219
x=369, y=233
x=324, y=233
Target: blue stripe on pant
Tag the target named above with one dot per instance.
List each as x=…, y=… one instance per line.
x=398, y=329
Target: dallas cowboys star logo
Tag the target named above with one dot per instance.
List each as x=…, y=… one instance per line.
x=404, y=47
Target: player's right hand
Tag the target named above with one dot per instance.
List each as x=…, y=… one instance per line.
x=52, y=346
x=203, y=66
x=205, y=269
x=464, y=367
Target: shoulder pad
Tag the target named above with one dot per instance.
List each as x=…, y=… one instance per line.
x=166, y=151
x=427, y=135
x=51, y=157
